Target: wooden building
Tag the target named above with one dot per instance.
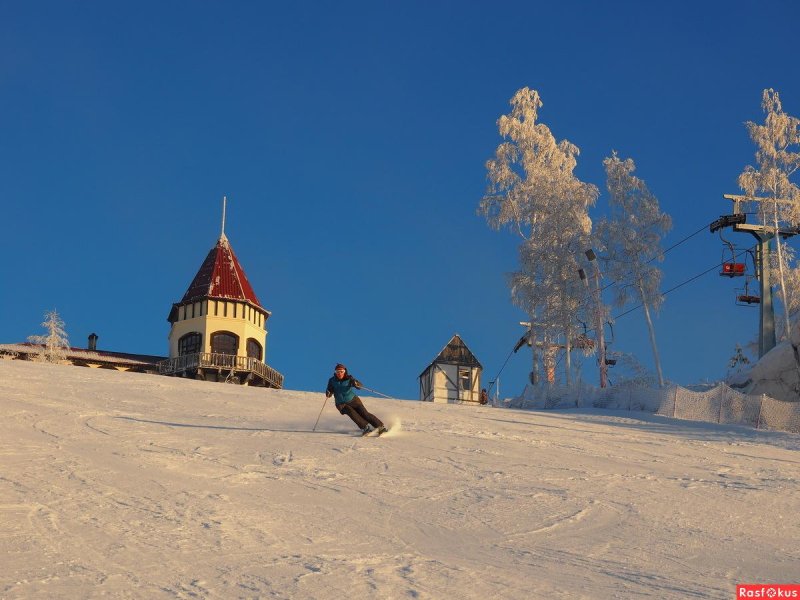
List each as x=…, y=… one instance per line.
x=453, y=377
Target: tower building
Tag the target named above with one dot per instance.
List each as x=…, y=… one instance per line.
x=219, y=328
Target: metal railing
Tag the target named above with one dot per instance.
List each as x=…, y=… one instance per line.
x=221, y=362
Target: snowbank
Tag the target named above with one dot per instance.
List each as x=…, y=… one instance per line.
x=776, y=374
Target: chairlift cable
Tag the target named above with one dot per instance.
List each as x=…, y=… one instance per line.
x=680, y=285
x=695, y=277
x=675, y=245
x=493, y=381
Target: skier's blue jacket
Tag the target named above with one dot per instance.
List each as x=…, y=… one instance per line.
x=343, y=390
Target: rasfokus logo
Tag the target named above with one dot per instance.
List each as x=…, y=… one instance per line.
x=768, y=590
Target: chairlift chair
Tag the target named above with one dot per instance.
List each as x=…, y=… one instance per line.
x=731, y=268
x=743, y=295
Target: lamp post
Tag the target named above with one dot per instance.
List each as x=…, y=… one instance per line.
x=601, y=344
x=533, y=377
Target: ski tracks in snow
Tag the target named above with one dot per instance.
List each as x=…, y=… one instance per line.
x=136, y=486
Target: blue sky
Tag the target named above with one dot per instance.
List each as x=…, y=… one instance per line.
x=350, y=139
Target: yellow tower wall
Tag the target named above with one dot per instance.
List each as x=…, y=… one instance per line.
x=210, y=316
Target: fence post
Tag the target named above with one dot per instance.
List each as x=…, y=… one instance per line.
x=760, y=406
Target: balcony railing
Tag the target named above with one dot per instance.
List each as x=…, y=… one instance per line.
x=222, y=363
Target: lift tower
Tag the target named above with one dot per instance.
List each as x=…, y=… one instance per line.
x=764, y=235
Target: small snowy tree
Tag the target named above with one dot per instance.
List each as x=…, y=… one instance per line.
x=55, y=343
x=631, y=239
x=778, y=159
x=533, y=190
x=738, y=361
x=630, y=372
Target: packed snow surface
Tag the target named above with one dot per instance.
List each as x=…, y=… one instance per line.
x=139, y=486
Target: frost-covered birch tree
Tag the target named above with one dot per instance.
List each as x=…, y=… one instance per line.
x=533, y=190
x=631, y=241
x=55, y=343
x=778, y=159
x=552, y=295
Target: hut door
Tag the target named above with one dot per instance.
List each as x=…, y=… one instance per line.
x=464, y=383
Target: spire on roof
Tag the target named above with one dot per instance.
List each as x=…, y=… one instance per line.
x=221, y=275
x=222, y=237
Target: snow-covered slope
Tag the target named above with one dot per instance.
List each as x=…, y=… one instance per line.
x=138, y=486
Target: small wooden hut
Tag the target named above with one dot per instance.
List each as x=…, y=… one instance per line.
x=453, y=377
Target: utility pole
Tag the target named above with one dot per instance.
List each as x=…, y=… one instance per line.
x=599, y=325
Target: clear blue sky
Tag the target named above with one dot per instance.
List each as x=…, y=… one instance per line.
x=350, y=139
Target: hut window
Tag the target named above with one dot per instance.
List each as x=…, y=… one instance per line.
x=190, y=344
x=464, y=379
x=224, y=342
x=253, y=349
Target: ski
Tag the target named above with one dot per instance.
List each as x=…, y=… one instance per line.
x=373, y=432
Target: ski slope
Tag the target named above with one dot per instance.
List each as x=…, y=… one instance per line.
x=136, y=486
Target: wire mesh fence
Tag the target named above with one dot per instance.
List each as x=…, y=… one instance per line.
x=721, y=404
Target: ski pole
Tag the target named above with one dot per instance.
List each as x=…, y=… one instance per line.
x=320, y=413
x=363, y=387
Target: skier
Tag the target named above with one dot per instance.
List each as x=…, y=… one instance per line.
x=341, y=387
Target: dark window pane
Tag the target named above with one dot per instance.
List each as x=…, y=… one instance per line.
x=253, y=349
x=224, y=343
x=464, y=379
x=191, y=343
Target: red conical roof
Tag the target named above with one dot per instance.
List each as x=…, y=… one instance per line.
x=221, y=276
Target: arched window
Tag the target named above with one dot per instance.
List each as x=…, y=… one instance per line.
x=224, y=342
x=191, y=343
x=253, y=349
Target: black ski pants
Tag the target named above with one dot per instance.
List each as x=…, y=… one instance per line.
x=356, y=410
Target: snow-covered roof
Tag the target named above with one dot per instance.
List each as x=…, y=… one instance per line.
x=101, y=356
x=221, y=276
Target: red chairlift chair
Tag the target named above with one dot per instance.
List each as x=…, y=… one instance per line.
x=731, y=268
